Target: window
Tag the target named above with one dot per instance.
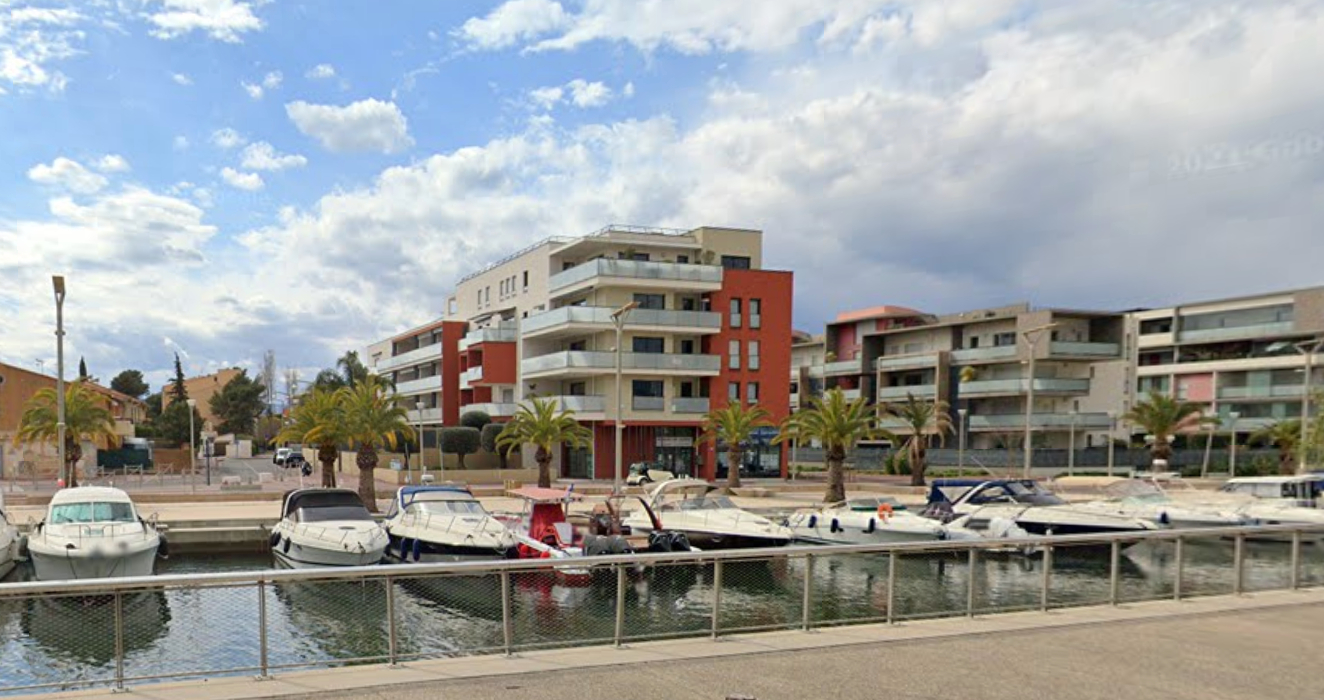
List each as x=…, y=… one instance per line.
x=683, y=259
x=755, y=313
x=526, y=280
x=687, y=304
x=735, y=313
x=753, y=354
x=578, y=346
x=735, y=262
x=646, y=387
x=687, y=390
x=651, y=301
x=1004, y=339
x=687, y=347
x=578, y=389
x=752, y=392
x=734, y=352
x=566, y=266
x=649, y=345
x=733, y=391
x=630, y=255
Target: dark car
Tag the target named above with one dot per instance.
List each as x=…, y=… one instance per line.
x=296, y=461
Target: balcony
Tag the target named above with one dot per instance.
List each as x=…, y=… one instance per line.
x=992, y=354
x=496, y=410
x=574, y=319
x=888, y=363
x=899, y=393
x=1237, y=332
x=583, y=362
x=580, y=404
x=427, y=415
x=427, y=353
x=995, y=387
x=503, y=333
x=855, y=366
x=471, y=375
x=1281, y=391
x=689, y=405
x=850, y=394
x=1090, y=350
x=1016, y=421
x=648, y=403
x=424, y=385
x=603, y=271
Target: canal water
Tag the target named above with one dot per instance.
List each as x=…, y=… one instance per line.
x=215, y=630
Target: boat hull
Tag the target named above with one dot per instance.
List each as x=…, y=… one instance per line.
x=406, y=550
x=306, y=556
x=51, y=564
x=724, y=540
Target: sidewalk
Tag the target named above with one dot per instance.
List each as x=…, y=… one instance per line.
x=1200, y=649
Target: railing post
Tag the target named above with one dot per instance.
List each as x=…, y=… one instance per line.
x=1239, y=564
x=263, y=662
x=717, y=595
x=507, y=623
x=1180, y=568
x=1295, y=577
x=806, y=600
x=891, y=586
x=119, y=641
x=1047, y=578
x=973, y=561
x=391, y=649
x=620, y=603
x=1114, y=571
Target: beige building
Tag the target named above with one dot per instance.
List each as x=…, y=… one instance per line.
x=201, y=389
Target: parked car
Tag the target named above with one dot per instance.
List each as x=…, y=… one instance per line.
x=646, y=473
x=296, y=461
x=281, y=455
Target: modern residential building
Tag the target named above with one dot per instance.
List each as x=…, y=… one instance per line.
x=707, y=325
x=418, y=361
x=201, y=389
x=807, y=351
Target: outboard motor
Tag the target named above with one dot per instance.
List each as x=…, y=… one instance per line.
x=620, y=545
x=597, y=545
x=659, y=541
x=163, y=549
x=679, y=542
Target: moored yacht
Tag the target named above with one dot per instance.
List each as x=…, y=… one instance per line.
x=444, y=523
x=708, y=520
x=863, y=520
x=9, y=539
x=1145, y=500
x=93, y=532
x=1024, y=502
x=326, y=527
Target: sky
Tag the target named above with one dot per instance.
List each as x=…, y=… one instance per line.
x=222, y=177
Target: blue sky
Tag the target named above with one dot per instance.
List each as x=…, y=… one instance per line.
x=229, y=176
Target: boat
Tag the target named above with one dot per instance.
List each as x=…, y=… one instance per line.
x=543, y=530
x=1303, y=490
x=708, y=520
x=444, y=523
x=326, y=527
x=863, y=520
x=1024, y=502
x=1260, y=500
x=9, y=541
x=1146, y=500
x=93, y=532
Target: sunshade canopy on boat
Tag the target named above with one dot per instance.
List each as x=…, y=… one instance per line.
x=537, y=494
x=318, y=498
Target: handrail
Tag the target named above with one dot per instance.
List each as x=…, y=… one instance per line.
x=473, y=568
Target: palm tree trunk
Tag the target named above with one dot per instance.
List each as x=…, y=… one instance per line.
x=918, y=465
x=72, y=453
x=1286, y=462
x=734, y=455
x=367, y=463
x=836, y=481
x=544, y=459
x=327, y=456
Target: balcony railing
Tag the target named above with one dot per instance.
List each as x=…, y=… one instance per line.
x=427, y=415
x=419, y=386
x=920, y=391
x=689, y=405
x=496, y=410
x=1072, y=349
x=1019, y=386
x=500, y=334
x=580, y=404
x=996, y=352
x=699, y=321
x=471, y=375
x=850, y=394
x=1285, y=391
x=1083, y=421
x=427, y=353
x=635, y=269
x=630, y=361
x=648, y=403
x=887, y=364
x=1251, y=331
x=855, y=366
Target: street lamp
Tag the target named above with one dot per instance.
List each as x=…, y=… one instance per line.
x=1208, y=448
x=422, y=467
x=1032, y=337
x=192, y=449
x=618, y=320
x=1112, y=439
x=960, y=440
x=1309, y=349
x=1071, y=446
x=58, y=282
x=1232, y=444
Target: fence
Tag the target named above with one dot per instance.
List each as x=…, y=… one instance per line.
x=120, y=631
x=1093, y=459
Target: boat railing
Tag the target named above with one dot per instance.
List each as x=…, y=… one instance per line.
x=807, y=588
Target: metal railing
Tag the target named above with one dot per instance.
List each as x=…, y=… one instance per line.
x=1019, y=386
x=118, y=631
x=1084, y=349
x=635, y=269
x=601, y=316
x=605, y=361
x=996, y=352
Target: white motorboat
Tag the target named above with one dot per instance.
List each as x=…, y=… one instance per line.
x=863, y=520
x=93, y=532
x=326, y=527
x=708, y=520
x=9, y=541
x=1303, y=490
x=1145, y=500
x=444, y=523
x=1024, y=502
x=1260, y=500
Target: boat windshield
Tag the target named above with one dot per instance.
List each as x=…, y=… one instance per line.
x=93, y=512
x=871, y=503
x=1026, y=492
x=446, y=508
x=1135, y=491
x=702, y=503
x=328, y=513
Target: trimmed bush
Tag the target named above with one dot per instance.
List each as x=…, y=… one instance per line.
x=475, y=419
x=489, y=438
x=460, y=441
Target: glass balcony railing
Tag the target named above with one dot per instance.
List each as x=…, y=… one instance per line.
x=496, y=410
x=997, y=352
x=893, y=393
x=471, y=375
x=1020, y=386
x=419, y=386
x=630, y=361
x=887, y=363
x=635, y=269
x=581, y=404
x=601, y=315
x=689, y=405
x=850, y=394
x=427, y=415
x=1085, y=349
x=855, y=366
x=648, y=403
x=500, y=334
x=1082, y=421
x=1235, y=332
x=1285, y=391
x=427, y=353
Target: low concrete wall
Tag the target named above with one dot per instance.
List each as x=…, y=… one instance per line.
x=481, y=462
x=464, y=476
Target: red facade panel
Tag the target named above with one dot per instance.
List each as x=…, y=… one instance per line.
x=451, y=334
x=498, y=360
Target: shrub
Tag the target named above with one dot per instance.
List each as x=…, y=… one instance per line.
x=460, y=441
x=475, y=419
x=489, y=437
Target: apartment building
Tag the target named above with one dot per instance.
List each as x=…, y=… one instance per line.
x=1239, y=356
x=708, y=326
x=201, y=389
x=807, y=351
x=418, y=362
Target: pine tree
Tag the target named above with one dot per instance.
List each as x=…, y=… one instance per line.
x=177, y=391
x=82, y=370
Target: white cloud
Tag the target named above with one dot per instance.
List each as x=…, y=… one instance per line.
x=321, y=71
x=180, y=143
x=546, y=97
x=272, y=80
x=112, y=163
x=241, y=180
x=628, y=90
x=263, y=156
x=254, y=90
x=513, y=21
x=67, y=174
x=181, y=79
x=203, y=197
x=366, y=125
x=32, y=41
x=579, y=92
x=228, y=138
x=222, y=20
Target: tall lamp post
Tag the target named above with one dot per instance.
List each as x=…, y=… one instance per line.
x=58, y=282
x=192, y=449
x=1071, y=446
x=618, y=319
x=1032, y=337
x=960, y=440
x=1309, y=349
x=1232, y=442
x=422, y=467
x=1112, y=440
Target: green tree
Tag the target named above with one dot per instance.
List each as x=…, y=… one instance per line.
x=1164, y=416
x=238, y=404
x=733, y=426
x=130, y=382
x=85, y=418
x=328, y=380
x=153, y=407
x=318, y=420
x=475, y=419
x=1284, y=435
x=372, y=420
x=352, y=370
x=490, y=433
x=460, y=441
x=923, y=421
x=82, y=370
x=173, y=424
x=540, y=424
x=838, y=425
x=178, y=391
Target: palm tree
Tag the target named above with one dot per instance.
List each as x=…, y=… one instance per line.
x=318, y=420
x=85, y=418
x=540, y=424
x=1286, y=436
x=351, y=368
x=733, y=425
x=373, y=419
x=836, y=423
x=1164, y=416
x=923, y=419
